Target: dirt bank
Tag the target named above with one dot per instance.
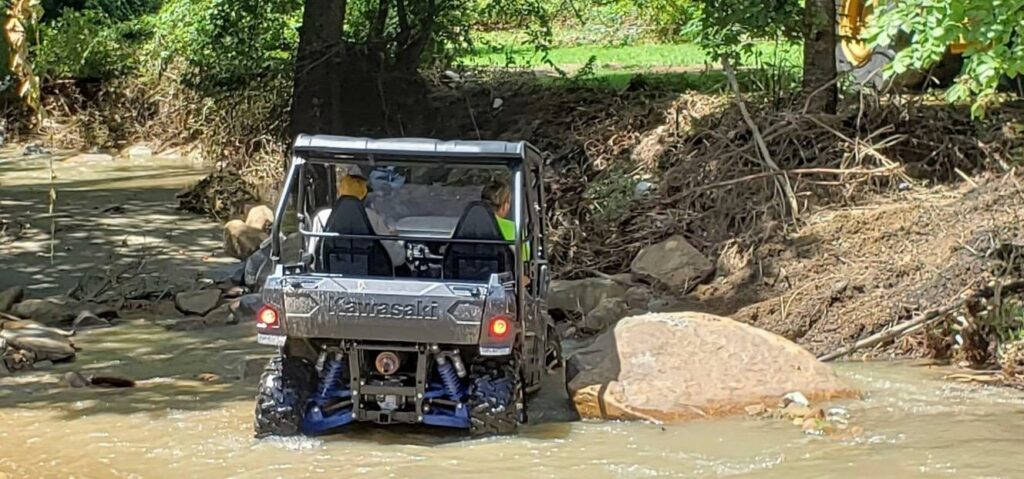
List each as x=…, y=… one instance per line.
x=851, y=271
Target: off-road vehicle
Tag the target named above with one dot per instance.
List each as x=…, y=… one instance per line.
x=456, y=336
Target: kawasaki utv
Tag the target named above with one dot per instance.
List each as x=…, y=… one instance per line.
x=452, y=331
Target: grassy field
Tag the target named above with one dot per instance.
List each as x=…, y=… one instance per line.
x=677, y=66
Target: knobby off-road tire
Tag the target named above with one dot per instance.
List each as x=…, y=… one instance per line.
x=496, y=405
x=281, y=398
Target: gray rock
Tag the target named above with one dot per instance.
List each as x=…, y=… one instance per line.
x=251, y=368
x=191, y=323
x=74, y=379
x=44, y=364
x=247, y=307
x=257, y=268
x=11, y=296
x=673, y=263
x=220, y=317
x=86, y=320
x=44, y=344
x=46, y=311
x=582, y=295
x=197, y=302
x=639, y=297
x=607, y=313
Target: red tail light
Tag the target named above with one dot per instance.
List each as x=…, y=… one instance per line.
x=499, y=326
x=267, y=317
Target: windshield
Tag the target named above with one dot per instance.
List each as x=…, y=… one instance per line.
x=424, y=201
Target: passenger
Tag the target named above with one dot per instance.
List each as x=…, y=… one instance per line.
x=498, y=195
x=354, y=184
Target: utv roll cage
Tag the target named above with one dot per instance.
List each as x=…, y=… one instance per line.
x=522, y=159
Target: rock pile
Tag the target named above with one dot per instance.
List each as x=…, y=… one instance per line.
x=211, y=307
x=659, y=273
x=32, y=331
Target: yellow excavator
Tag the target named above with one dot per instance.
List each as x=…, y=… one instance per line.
x=864, y=63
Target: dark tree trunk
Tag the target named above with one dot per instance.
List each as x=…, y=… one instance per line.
x=316, y=90
x=820, y=55
x=359, y=89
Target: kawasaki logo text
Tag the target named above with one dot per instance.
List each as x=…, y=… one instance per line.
x=377, y=309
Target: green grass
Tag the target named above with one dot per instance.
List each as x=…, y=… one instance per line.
x=505, y=49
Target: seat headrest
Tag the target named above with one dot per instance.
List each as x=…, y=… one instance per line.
x=478, y=222
x=348, y=216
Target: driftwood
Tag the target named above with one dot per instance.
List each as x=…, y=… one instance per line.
x=928, y=318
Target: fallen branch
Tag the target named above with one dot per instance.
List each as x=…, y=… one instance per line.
x=762, y=147
x=927, y=319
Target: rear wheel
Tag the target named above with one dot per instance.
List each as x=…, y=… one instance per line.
x=496, y=404
x=281, y=398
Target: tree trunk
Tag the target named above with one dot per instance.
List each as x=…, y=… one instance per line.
x=820, y=56
x=315, y=93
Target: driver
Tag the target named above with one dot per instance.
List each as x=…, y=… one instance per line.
x=354, y=184
x=498, y=196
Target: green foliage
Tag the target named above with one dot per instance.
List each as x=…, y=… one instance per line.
x=88, y=45
x=993, y=31
x=225, y=44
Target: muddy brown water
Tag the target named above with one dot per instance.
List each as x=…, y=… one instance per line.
x=176, y=425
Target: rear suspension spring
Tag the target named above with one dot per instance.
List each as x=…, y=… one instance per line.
x=450, y=378
x=330, y=376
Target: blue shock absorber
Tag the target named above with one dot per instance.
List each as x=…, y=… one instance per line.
x=450, y=378
x=331, y=377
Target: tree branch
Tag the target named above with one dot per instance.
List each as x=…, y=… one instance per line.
x=766, y=157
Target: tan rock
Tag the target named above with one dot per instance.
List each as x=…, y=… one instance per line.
x=260, y=217
x=673, y=263
x=242, y=240
x=682, y=366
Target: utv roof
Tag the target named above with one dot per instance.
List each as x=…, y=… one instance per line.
x=328, y=146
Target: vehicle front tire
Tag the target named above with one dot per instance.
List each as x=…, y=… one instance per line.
x=281, y=398
x=496, y=405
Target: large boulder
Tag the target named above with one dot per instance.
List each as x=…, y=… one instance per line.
x=673, y=263
x=680, y=366
x=242, y=240
x=583, y=295
x=11, y=296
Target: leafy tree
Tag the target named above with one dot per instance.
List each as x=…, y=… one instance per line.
x=224, y=44
x=992, y=30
